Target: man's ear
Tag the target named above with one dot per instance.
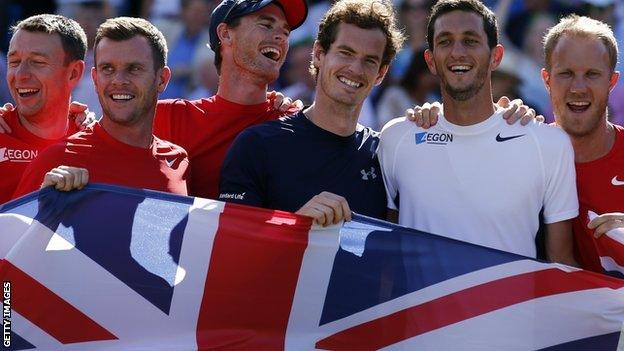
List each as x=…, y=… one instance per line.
x=383, y=70
x=223, y=32
x=615, y=76
x=546, y=78
x=497, y=56
x=317, y=53
x=94, y=76
x=430, y=62
x=76, y=70
x=163, y=78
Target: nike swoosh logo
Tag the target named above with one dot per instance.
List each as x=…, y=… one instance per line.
x=500, y=139
x=616, y=182
x=170, y=163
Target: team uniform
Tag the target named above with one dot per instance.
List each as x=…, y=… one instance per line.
x=600, y=185
x=205, y=129
x=282, y=164
x=163, y=166
x=17, y=150
x=485, y=183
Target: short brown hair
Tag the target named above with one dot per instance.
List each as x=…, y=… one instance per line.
x=73, y=37
x=490, y=26
x=583, y=27
x=366, y=14
x=125, y=28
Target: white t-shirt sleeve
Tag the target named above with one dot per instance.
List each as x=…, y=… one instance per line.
x=388, y=146
x=560, y=198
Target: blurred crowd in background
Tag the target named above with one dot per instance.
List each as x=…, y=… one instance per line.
x=185, y=26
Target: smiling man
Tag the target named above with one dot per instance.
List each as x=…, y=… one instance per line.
x=472, y=176
x=130, y=71
x=580, y=58
x=45, y=62
x=250, y=42
x=320, y=162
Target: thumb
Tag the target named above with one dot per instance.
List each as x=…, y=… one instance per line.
x=76, y=107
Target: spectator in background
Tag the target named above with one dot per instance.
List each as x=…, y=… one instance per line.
x=532, y=88
x=415, y=87
x=413, y=16
x=607, y=12
x=205, y=78
x=186, y=38
x=89, y=14
x=298, y=82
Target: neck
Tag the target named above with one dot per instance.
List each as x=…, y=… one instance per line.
x=472, y=111
x=49, y=125
x=137, y=135
x=241, y=87
x=594, y=145
x=334, y=117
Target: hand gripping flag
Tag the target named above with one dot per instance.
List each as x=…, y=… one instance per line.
x=109, y=268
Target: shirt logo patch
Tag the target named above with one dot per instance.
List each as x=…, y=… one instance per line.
x=13, y=155
x=232, y=196
x=500, y=139
x=616, y=182
x=368, y=175
x=434, y=138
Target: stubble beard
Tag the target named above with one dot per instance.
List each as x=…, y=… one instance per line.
x=468, y=92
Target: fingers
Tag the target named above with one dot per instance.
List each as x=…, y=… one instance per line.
x=65, y=178
x=606, y=222
x=430, y=114
x=83, y=120
x=424, y=116
x=540, y=119
x=528, y=117
x=510, y=110
x=298, y=104
x=4, y=126
x=503, y=102
x=326, y=208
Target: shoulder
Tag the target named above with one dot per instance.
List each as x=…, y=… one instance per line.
x=397, y=128
x=282, y=127
x=182, y=105
x=548, y=135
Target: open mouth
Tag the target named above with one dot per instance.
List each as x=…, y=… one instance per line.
x=460, y=69
x=578, y=106
x=121, y=97
x=349, y=82
x=27, y=92
x=271, y=53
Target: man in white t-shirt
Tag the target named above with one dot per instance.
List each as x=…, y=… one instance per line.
x=472, y=176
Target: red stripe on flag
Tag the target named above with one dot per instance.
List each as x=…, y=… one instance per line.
x=254, y=267
x=49, y=311
x=611, y=248
x=463, y=305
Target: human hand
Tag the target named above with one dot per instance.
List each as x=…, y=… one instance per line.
x=66, y=178
x=424, y=116
x=326, y=208
x=284, y=103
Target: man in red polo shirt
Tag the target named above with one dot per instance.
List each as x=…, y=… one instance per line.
x=129, y=73
x=45, y=62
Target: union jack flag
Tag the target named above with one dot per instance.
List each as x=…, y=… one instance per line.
x=110, y=268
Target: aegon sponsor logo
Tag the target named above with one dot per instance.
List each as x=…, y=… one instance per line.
x=14, y=155
x=434, y=138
